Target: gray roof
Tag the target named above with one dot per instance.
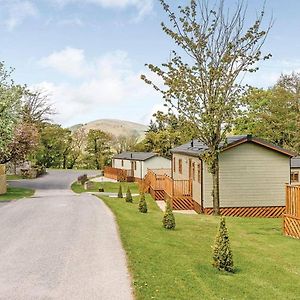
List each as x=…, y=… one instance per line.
x=196, y=148
x=142, y=156
x=295, y=162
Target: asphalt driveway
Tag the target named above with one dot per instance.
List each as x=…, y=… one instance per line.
x=59, y=245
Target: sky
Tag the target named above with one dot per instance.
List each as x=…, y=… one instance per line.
x=88, y=55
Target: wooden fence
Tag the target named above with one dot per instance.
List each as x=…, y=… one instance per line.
x=292, y=211
x=118, y=174
x=162, y=187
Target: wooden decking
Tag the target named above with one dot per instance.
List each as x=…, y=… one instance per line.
x=118, y=174
x=292, y=212
x=162, y=187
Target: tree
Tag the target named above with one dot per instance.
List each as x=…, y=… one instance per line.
x=203, y=84
x=10, y=107
x=124, y=143
x=54, y=146
x=36, y=108
x=222, y=255
x=99, y=147
x=120, y=193
x=169, y=219
x=167, y=132
x=273, y=114
x=143, y=204
x=128, y=198
x=24, y=142
x=77, y=147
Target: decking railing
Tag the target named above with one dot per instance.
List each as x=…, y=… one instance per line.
x=292, y=211
x=117, y=174
x=163, y=187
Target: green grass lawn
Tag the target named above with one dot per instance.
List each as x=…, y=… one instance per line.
x=16, y=193
x=107, y=186
x=177, y=264
x=14, y=177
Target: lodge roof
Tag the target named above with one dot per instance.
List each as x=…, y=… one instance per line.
x=295, y=162
x=196, y=148
x=141, y=156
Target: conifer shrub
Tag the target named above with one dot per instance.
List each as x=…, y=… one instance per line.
x=143, y=204
x=128, y=196
x=169, y=219
x=120, y=193
x=222, y=255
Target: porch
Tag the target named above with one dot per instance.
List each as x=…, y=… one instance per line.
x=161, y=186
x=121, y=175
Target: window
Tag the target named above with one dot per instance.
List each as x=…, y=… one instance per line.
x=295, y=177
x=180, y=166
x=199, y=173
x=122, y=163
x=174, y=164
x=135, y=165
x=193, y=171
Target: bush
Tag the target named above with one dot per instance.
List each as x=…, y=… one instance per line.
x=169, y=219
x=143, y=204
x=82, y=179
x=120, y=193
x=128, y=196
x=222, y=255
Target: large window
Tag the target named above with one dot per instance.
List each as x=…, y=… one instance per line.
x=295, y=176
x=135, y=165
x=174, y=164
x=180, y=166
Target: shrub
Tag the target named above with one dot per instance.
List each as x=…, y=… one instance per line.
x=222, y=255
x=82, y=179
x=169, y=219
x=128, y=196
x=120, y=193
x=143, y=204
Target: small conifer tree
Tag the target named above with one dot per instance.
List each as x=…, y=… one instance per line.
x=143, y=204
x=129, y=196
x=169, y=219
x=222, y=255
x=120, y=193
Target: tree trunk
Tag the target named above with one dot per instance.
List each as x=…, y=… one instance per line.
x=216, y=187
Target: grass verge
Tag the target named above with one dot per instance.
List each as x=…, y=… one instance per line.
x=14, y=177
x=14, y=193
x=107, y=186
x=177, y=264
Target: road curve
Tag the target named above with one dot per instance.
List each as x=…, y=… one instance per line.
x=59, y=245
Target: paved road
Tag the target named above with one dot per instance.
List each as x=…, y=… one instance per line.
x=59, y=245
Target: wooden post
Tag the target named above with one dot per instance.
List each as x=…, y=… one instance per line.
x=3, y=183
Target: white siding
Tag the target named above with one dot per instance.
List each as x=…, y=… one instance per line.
x=156, y=162
x=250, y=175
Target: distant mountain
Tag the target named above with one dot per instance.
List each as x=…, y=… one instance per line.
x=114, y=127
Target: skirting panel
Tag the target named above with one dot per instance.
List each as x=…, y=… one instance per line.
x=292, y=226
x=250, y=212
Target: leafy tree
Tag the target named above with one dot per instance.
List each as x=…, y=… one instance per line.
x=143, y=204
x=24, y=142
x=222, y=255
x=125, y=143
x=10, y=107
x=120, y=193
x=169, y=218
x=128, y=196
x=203, y=83
x=273, y=114
x=77, y=147
x=54, y=146
x=99, y=147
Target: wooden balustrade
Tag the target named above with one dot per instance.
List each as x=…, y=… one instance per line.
x=292, y=211
x=117, y=174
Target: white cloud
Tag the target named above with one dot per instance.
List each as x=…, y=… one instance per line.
x=143, y=7
x=16, y=11
x=109, y=87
